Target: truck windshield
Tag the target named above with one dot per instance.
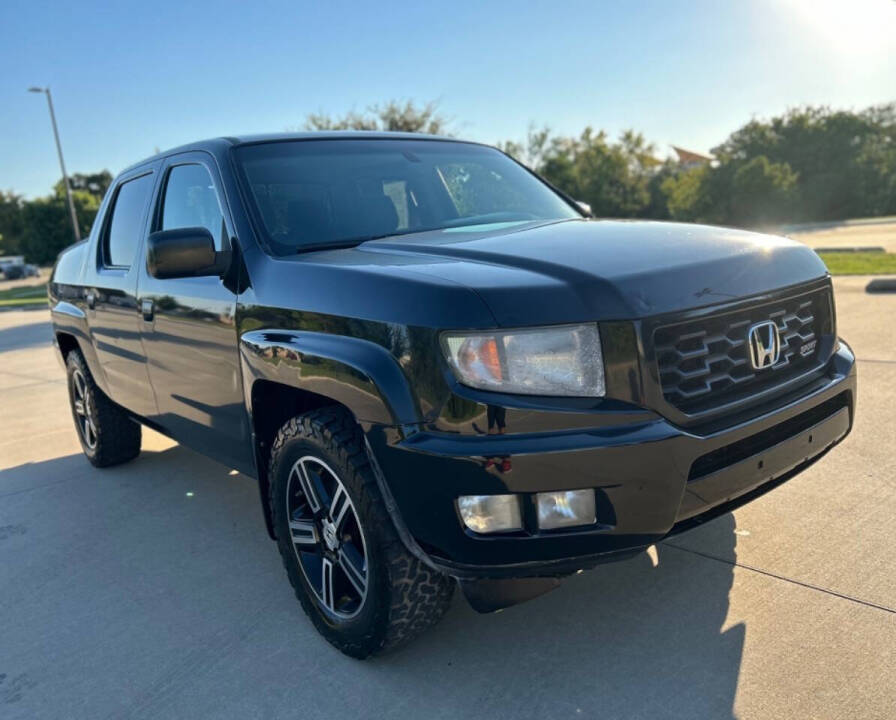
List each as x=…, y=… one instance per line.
x=340, y=192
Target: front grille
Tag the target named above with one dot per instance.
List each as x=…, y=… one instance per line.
x=705, y=362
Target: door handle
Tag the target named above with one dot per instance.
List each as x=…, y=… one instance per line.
x=147, y=309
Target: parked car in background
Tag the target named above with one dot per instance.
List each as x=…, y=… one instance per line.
x=437, y=368
x=12, y=267
x=32, y=270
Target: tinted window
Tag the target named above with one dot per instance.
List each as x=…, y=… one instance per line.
x=191, y=201
x=126, y=225
x=477, y=189
x=341, y=192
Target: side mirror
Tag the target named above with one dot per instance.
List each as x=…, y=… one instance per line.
x=585, y=208
x=185, y=252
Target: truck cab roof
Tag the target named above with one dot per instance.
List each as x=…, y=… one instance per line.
x=220, y=144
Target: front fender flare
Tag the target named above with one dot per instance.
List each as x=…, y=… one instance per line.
x=361, y=375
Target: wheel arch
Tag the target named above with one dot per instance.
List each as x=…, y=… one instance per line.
x=66, y=342
x=273, y=404
x=288, y=373
x=71, y=332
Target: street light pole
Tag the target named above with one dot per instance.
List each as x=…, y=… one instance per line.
x=68, y=190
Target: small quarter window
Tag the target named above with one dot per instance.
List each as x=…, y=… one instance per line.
x=191, y=201
x=125, y=226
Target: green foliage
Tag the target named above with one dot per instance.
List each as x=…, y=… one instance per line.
x=687, y=194
x=94, y=184
x=394, y=116
x=11, y=226
x=40, y=228
x=809, y=164
x=762, y=192
x=613, y=177
x=533, y=150
x=844, y=163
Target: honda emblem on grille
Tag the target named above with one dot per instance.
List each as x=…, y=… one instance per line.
x=765, y=344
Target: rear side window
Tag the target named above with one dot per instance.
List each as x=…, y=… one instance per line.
x=191, y=201
x=124, y=228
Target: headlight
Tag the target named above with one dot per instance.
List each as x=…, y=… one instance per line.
x=564, y=360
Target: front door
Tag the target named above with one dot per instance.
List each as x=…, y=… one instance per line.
x=189, y=331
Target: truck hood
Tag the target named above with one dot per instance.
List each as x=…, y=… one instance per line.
x=583, y=270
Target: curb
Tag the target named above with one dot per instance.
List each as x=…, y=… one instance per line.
x=831, y=224
x=29, y=306
x=848, y=250
x=881, y=285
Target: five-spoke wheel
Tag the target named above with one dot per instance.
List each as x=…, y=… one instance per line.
x=361, y=587
x=83, y=409
x=327, y=536
x=108, y=435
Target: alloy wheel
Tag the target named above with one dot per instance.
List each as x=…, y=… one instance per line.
x=327, y=537
x=83, y=409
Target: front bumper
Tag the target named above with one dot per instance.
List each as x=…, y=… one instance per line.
x=651, y=479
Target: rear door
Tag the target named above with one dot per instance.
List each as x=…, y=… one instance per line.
x=188, y=323
x=111, y=292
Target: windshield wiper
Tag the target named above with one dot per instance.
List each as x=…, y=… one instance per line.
x=335, y=245
x=354, y=242
x=409, y=231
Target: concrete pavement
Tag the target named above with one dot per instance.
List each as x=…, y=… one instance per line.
x=151, y=590
x=846, y=235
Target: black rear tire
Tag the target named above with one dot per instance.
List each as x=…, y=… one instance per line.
x=403, y=596
x=107, y=434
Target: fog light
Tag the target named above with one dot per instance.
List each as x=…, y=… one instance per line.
x=490, y=513
x=566, y=508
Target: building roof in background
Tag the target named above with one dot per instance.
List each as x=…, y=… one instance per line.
x=688, y=157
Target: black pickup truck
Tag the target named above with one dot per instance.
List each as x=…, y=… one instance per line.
x=439, y=369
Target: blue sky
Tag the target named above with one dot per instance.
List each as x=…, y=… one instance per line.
x=128, y=78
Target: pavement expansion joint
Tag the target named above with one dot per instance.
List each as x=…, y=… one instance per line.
x=784, y=578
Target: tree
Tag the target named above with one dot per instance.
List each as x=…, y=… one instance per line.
x=844, y=161
x=46, y=223
x=687, y=194
x=762, y=192
x=393, y=116
x=613, y=178
x=94, y=183
x=533, y=150
x=11, y=223
x=809, y=164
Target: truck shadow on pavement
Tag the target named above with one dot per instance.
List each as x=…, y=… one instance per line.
x=20, y=337
x=169, y=555
x=628, y=639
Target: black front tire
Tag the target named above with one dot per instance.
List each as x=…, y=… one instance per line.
x=404, y=596
x=107, y=434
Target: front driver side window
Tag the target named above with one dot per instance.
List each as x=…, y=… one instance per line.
x=191, y=201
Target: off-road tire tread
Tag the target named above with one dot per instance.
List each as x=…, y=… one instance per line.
x=118, y=436
x=420, y=596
